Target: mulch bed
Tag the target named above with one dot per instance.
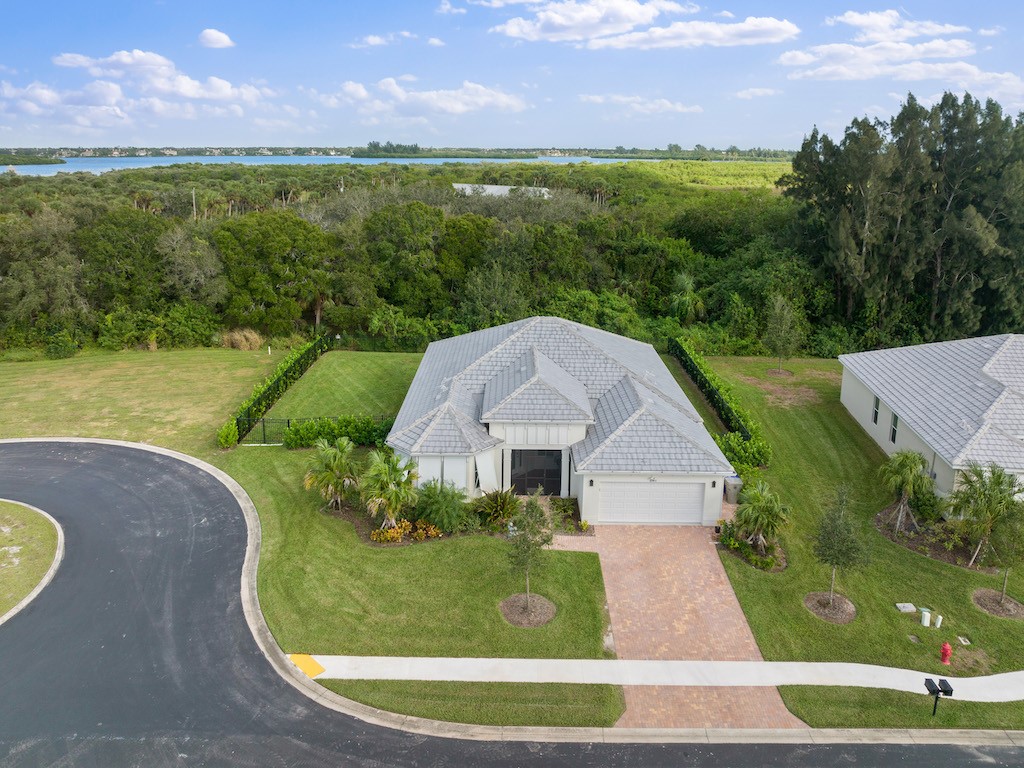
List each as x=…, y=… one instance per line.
x=919, y=541
x=514, y=610
x=988, y=601
x=842, y=611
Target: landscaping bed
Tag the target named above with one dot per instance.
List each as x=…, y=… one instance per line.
x=28, y=544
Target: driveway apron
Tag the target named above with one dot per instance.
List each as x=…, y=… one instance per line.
x=669, y=598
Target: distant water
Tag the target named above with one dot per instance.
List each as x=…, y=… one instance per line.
x=104, y=164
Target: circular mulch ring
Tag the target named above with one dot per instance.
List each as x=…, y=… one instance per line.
x=842, y=611
x=783, y=374
x=988, y=601
x=541, y=611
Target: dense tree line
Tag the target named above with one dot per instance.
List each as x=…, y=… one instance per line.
x=902, y=231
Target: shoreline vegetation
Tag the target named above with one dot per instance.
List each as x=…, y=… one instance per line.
x=13, y=159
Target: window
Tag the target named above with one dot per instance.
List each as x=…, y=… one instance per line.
x=874, y=413
x=892, y=428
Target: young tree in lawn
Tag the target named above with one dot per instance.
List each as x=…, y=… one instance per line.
x=903, y=474
x=836, y=544
x=531, y=534
x=986, y=500
x=760, y=515
x=783, y=333
x=388, y=485
x=332, y=471
x=1006, y=544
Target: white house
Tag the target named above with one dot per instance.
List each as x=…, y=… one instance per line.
x=954, y=402
x=581, y=412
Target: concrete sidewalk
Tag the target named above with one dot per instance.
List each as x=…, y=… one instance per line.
x=997, y=688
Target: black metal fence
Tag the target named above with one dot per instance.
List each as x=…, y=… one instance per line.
x=264, y=431
x=247, y=419
x=723, y=408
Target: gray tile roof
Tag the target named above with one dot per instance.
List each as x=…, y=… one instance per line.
x=552, y=370
x=964, y=398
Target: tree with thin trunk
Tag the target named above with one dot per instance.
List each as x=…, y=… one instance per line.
x=1007, y=545
x=783, y=333
x=986, y=499
x=388, y=486
x=904, y=474
x=528, y=536
x=760, y=515
x=333, y=471
x=836, y=544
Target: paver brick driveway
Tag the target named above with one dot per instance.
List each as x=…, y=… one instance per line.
x=669, y=598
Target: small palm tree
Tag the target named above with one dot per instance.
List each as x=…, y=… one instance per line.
x=388, y=486
x=760, y=515
x=332, y=472
x=904, y=475
x=685, y=303
x=986, y=498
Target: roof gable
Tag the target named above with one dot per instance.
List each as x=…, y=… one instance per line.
x=535, y=388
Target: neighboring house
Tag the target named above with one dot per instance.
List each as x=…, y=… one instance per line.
x=581, y=412
x=500, y=190
x=955, y=402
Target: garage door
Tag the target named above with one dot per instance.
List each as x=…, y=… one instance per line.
x=651, y=503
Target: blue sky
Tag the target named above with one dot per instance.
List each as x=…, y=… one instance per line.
x=488, y=73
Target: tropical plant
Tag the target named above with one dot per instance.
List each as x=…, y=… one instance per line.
x=498, y=507
x=442, y=505
x=388, y=485
x=836, y=544
x=332, y=471
x=685, y=303
x=986, y=499
x=904, y=474
x=528, y=537
x=760, y=515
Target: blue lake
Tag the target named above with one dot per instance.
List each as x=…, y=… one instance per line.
x=104, y=164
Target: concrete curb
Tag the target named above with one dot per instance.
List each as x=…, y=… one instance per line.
x=58, y=556
x=298, y=680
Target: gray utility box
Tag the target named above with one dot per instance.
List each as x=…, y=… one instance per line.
x=732, y=489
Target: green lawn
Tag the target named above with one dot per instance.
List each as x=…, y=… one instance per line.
x=350, y=383
x=713, y=424
x=817, y=445
x=174, y=398
x=28, y=543
x=544, y=704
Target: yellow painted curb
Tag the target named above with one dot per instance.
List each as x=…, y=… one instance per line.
x=306, y=663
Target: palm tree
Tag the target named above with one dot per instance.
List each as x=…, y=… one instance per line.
x=332, y=472
x=985, y=499
x=685, y=303
x=388, y=485
x=904, y=475
x=760, y=515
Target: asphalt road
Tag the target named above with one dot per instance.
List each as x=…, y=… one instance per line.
x=138, y=653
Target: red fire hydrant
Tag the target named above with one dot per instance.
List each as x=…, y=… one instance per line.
x=946, y=653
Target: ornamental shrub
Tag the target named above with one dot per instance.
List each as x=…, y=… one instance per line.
x=441, y=505
x=392, y=535
x=227, y=436
x=60, y=345
x=361, y=430
x=497, y=508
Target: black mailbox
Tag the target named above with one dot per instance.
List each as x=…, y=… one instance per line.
x=945, y=687
x=942, y=689
x=933, y=689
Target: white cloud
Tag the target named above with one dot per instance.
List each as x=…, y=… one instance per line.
x=693, y=34
x=152, y=73
x=436, y=42
x=374, y=41
x=882, y=26
x=348, y=94
x=214, y=38
x=470, y=97
x=753, y=93
x=845, y=61
x=726, y=15
x=577, y=20
x=447, y=8
x=991, y=31
x=640, y=105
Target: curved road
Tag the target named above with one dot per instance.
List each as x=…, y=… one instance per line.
x=138, y=652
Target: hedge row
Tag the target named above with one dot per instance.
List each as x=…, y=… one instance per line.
x=361, y=430
x=744, y=444
x=269, y=391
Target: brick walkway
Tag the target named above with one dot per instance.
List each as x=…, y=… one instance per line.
x=669, y=598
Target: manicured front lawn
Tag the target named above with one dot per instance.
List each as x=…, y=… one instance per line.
x=174, y=398
x=28, y=543
x=350, y=383
x=817, y=446
x=713, y=424
x=543, y=704
x=324, y=591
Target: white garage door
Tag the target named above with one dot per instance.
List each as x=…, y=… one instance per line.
x=652, y=503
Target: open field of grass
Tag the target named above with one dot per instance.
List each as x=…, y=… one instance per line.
x=28, y=543
x=817, y=446
x=544, y=704
x=173, y=398
x=350, y=383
